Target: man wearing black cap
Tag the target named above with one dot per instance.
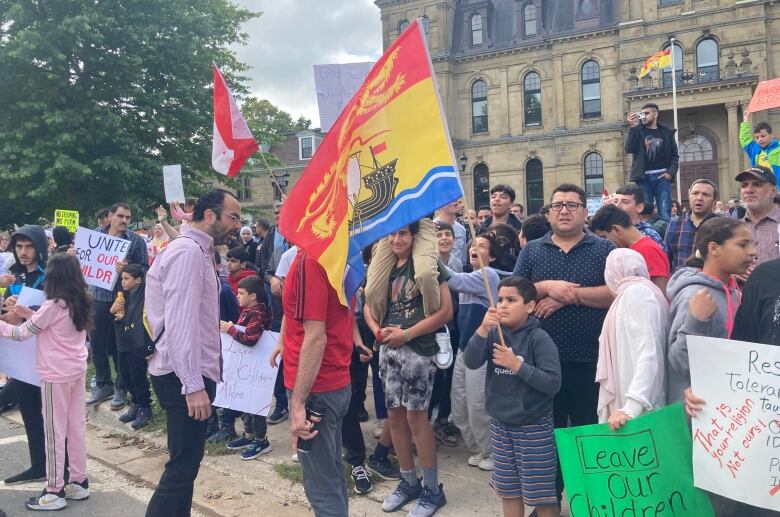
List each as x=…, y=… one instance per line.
x=758, y=187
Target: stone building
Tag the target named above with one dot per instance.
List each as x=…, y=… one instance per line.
x=536, y=92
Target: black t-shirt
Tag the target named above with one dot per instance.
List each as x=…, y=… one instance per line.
x=654, y=149
x=758, y=318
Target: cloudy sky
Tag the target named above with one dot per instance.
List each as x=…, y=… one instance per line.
x=292, y=36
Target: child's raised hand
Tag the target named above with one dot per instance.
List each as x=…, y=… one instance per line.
x=702, y=305
x=489, y=322
x=224, y=326
x=505, y=357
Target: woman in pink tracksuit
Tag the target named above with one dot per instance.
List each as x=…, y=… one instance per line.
x=61, y=326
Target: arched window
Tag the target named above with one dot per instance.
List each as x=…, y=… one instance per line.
x=534, y=186
x=678, y=67
x=476, y=30
x=479, y=107
x=588, y=8
x=426, y=25
x=481, y=185
x=593, y=164
x=529, y=20
x=696, y=148
x=402, y=25
x=707, y=61
x=532, y=99
x=591, y=89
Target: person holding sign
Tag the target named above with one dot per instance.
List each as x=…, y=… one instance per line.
x=630, y=371
x=522, y=379
x=760, y=145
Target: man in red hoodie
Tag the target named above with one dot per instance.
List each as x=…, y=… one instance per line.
x=236, y=266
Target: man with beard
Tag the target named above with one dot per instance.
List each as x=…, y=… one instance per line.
x=681, y=233
x=182, y=307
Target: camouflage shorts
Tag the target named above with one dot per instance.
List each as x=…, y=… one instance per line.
x=407, y=377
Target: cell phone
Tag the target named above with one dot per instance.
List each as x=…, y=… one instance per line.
x=641, y=115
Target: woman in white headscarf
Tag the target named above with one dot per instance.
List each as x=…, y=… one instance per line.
x=632, y=365
x=249, y=244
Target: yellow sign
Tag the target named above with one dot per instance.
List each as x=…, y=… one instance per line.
x=67, y=218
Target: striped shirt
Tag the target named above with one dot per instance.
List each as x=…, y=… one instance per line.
x=766, y=234
x=182, y=303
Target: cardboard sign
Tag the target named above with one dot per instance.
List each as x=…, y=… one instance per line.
x=335, y=86
x=67, y=218
x=642, y=469
x=98, y=254
x=767, y=96
x=248, y=379
x=736, y=438
x=174, y=188
x=17, y=360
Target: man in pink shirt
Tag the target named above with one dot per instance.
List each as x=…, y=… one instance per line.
x=182, y=305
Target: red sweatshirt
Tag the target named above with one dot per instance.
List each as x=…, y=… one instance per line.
x=256, y=319
x=235, y=279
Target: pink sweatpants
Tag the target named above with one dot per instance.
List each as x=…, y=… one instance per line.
x=64, y=416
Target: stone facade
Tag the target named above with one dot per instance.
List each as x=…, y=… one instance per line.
x=501, y=42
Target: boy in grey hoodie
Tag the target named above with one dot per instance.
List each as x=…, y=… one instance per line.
x=522, y=379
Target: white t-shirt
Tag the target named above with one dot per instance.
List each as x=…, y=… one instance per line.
x=285, y=262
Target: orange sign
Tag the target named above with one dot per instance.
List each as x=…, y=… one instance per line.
x=767, y=96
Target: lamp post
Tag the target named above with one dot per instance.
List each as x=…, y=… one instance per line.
x=463, y=161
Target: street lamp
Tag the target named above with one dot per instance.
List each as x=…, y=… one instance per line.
x=463, y=161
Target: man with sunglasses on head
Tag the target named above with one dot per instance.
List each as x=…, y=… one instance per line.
x=655, y=157
x=567, y=267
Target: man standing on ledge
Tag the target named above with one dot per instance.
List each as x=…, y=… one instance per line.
x=182, y=305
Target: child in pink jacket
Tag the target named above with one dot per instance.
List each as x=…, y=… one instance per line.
x=61, y=326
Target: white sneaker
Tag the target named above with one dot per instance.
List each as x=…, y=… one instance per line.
x=47, y=502
x=486, y=464
x=444, y=357
x=295, y=457
x=379, y=427
x=77, y=491
x=475, y=459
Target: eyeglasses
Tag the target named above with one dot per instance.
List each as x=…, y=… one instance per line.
x=571, y=206
x=233, y=217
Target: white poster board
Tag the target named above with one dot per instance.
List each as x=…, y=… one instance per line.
x=248, y=379
x=17, y=360
x=174, y=188
x=736, y=438
x=335, y=85
x=30, y=297
x=98, y=254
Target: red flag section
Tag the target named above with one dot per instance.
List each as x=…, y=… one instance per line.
x=232, y=143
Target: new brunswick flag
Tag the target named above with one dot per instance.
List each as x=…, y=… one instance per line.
x=662, y=59
x=386, y=162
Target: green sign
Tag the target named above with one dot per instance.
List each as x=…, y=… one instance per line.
x=641, y=470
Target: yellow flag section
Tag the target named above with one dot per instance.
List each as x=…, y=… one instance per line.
x=67, y=218
x=386, y=163
x=662, y=59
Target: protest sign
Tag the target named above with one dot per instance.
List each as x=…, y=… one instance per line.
x=98, y=254
x=17, y=360
x=248, y=379
x=174, y=188
x=30, y=297
x=736, y=438
x=767, y=96
x=67, y=218
x=335, y=86
x=594, y=203
x=641, y=469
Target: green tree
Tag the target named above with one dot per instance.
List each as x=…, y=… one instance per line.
x=97, y=95
x=268, y=123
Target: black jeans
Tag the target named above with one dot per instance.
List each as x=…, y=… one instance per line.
x=576, y=402
x=30, y=407
x=280, y=392
x=442, y=386
x=186, y=441
x=132, y=369
x=253, y=424
x=351, y=435
x=102, y=341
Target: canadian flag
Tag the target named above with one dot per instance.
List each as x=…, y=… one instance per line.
x=233, y=142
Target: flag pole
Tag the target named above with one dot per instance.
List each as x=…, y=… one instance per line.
x=674, y=109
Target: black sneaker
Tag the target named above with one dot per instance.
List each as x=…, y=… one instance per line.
x=223, y=435
x=428, y=504
x=142, y=418
x=363, y=415
x=129, y=415
x=279, y=415
x=362, y=480
x=27, y=476
x=383, y=468
x=446, y=434
x=402, y=495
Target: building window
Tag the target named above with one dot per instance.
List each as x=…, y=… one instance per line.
x=707, y=61
x=532, y=99
x=476, y=30
x=534, y=186
x=402, y=25
x=594, y=175
x=591, y=89
x=678, y=67
x=696, y=148
x=481, y=185
x=529, y=20
x=426, y=25
x=670, y=2
x=479, y=107
x=244, y=192
x=307, y=147
x=588, y=8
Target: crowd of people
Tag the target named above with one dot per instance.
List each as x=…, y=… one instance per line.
x=483, y=329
